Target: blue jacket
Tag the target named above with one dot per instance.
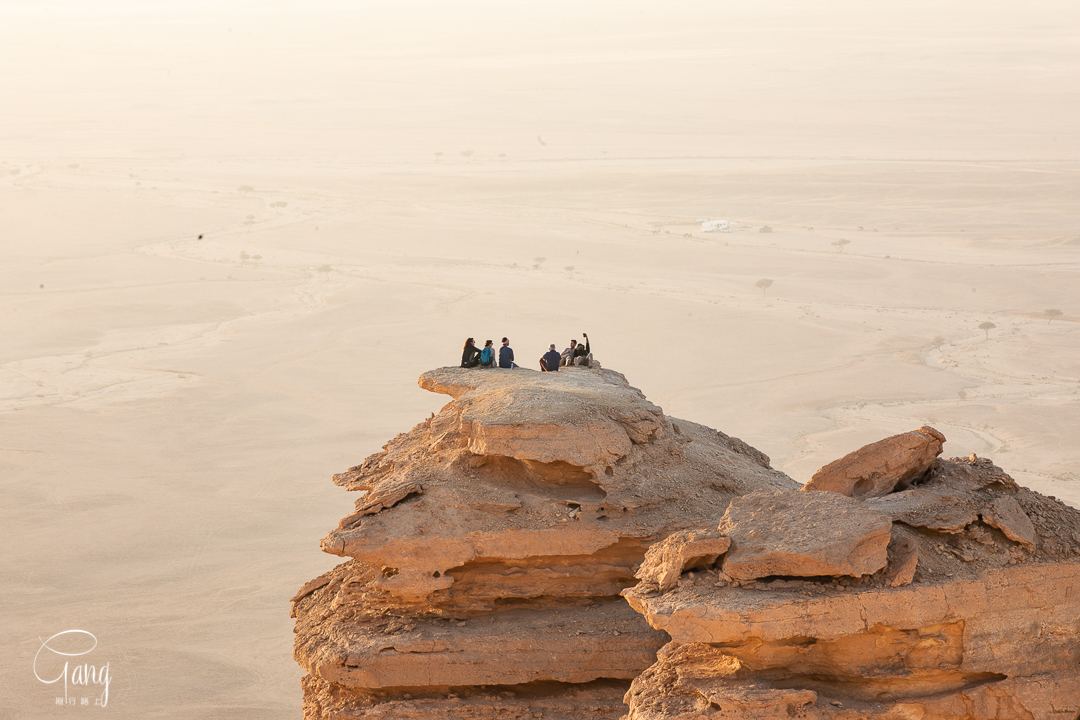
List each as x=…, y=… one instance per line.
x=506, y=356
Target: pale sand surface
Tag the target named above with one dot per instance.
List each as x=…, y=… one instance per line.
x=170, y=417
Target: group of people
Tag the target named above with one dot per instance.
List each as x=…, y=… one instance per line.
x=551, y=361
x=576, y=354
x=472, y=356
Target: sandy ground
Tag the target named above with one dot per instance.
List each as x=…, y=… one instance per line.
x=171, y=408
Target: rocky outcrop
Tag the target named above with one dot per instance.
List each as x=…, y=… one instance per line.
x=488, y=551
x=491, y=543
x=969, y=611
x=881, y=467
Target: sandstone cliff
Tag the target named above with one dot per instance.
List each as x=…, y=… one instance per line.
x=956, y=598
x=491, y=542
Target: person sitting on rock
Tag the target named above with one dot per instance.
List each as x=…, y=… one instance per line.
x=470, y=354
x=506, y=355
x=487, y=355
x=549, y=361
x=583, y=353
x=567, y=356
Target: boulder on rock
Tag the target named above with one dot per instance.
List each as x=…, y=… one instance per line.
x=881, y=467
x=792, y=533
x=931, y=507
x=685, y=550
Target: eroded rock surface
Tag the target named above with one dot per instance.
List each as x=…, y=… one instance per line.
x=488, y=551
x=974, y=616
x=668, y=559
x=789, y=533
x=1006, y=515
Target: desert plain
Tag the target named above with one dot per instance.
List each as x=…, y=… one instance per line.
x=233, y=236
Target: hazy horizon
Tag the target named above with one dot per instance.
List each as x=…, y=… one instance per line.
x=412, y=174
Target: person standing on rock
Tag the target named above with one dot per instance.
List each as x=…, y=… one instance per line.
x=506, y=355
x=470, y=354
x=549, y=361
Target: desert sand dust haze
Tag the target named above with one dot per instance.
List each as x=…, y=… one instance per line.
x=172, y=408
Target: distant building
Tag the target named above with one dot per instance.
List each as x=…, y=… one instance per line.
x=714, y=225
x=764, y=228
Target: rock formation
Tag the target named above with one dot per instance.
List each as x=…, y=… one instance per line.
x=957, y=598
x=491, y=543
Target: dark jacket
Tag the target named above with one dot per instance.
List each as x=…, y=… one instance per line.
x=551, y=360
x=582, y=350
x=469, y=356
x=506, y=357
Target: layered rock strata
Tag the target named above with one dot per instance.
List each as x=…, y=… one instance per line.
x=966, y=608
x=491, y=542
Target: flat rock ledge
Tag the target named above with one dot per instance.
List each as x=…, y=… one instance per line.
x=489, y=546
x=969, y=611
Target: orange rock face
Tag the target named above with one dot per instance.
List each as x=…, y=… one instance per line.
x=975, y=615
x=488, y=551
x=491, y=544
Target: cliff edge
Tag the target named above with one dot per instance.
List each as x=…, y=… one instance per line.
x=491, y=542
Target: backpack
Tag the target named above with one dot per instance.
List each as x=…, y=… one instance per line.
x=486, y=356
